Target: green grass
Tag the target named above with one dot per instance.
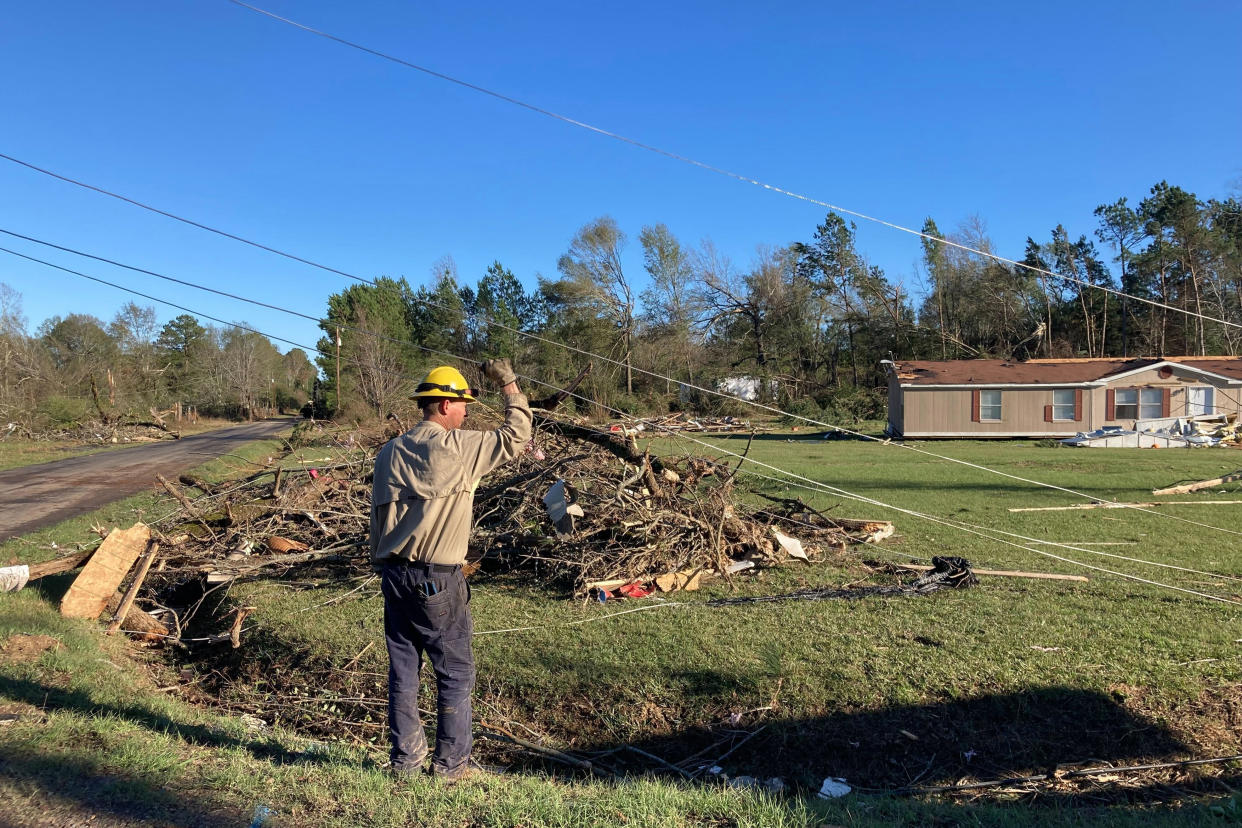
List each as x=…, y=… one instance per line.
x=1020, y=673
x=15, y=452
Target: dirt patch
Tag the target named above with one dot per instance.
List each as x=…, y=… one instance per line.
x=21, y=648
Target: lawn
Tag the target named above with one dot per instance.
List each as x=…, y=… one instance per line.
x=1004, y=679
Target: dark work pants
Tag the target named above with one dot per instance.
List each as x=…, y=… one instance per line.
x=428, y=611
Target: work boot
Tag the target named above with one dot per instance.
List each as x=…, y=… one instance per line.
x=469, y=769
x=409, y=770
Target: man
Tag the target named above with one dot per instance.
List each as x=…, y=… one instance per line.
x=421, y=513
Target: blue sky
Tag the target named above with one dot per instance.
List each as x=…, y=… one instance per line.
x=1027, y=115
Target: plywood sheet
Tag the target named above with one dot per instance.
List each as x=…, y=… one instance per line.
x=104, y=572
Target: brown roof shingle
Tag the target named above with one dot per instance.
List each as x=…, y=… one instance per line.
x=1047, y=371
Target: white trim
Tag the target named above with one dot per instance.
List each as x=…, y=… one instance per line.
x=1156, y=366
x=1028, y=386
x=1098, y=383
x=1040, y=436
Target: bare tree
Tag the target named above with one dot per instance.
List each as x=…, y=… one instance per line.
x=378, y=363
x=594, y=279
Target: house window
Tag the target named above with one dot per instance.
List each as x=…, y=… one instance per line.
x=990, y=406
x=1151, y=404
x=1126, y=404
x=1063, y=405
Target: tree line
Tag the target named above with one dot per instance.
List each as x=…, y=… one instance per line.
x=805, y=323
x=809, y=321
x=77, y=368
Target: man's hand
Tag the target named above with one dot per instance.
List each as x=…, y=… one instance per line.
x=499, y=371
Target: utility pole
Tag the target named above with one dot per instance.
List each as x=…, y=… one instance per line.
x=338, y=367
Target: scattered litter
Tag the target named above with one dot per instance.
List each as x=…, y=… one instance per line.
x=261, y=815
x=560, y=510
x=790, y=545
x=834, y=787
x=314, y=748
x=13, y=578
x=773, y=784
x=635, y=590
x=253, y=722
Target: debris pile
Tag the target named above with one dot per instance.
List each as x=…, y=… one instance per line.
x=591, y=511
x=682, y=422
x=1193, y=432
x=582, y=509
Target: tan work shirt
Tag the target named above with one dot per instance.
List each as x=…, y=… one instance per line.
x=423, y=496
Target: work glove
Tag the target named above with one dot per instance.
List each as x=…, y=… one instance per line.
x=499, y=371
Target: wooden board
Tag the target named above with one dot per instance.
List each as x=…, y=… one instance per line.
x=104, y=572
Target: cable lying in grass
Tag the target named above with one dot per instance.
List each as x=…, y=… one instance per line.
x=947, y=573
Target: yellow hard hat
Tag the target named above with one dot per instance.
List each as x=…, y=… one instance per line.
x=444, y=382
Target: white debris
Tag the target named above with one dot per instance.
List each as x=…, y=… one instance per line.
x=13, y=578
x=791, y=545
x=560, y=510
x=834, y=787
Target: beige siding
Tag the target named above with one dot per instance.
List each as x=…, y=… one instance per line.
x=1225, y=397
x=945, y=412
x=896, y=414
x=932, y=411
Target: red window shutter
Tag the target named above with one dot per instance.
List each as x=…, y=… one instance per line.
x=1047, y=413
x=974, y=406
x=1165, y=402
x=1078, y=405
x=1110, y=404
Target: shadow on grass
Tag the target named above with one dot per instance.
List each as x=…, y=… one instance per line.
x=73, y=790
x=989, y=736
x=983, y=738
x=50, y=697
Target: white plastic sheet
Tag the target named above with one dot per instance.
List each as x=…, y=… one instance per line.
x=13, y=578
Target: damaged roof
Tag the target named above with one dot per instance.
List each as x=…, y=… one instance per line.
x=1051, y=371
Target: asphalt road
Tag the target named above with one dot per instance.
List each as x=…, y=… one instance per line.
x=32, y=497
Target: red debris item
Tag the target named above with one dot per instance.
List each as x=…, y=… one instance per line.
x=314, y=473
x=635, y=590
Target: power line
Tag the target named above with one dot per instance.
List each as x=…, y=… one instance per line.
x=589, y=354
x=981, y=531
x=238, y=325
x=712, y=168
x=805, y=482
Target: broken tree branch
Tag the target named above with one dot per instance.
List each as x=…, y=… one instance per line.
x=1187, y=488
x=1082, y=506
x=128, y=601
x=552, y=401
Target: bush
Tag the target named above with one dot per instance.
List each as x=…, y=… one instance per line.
x=625, y=403
x=801, y=407
x=61, y=412
x=850, y=404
